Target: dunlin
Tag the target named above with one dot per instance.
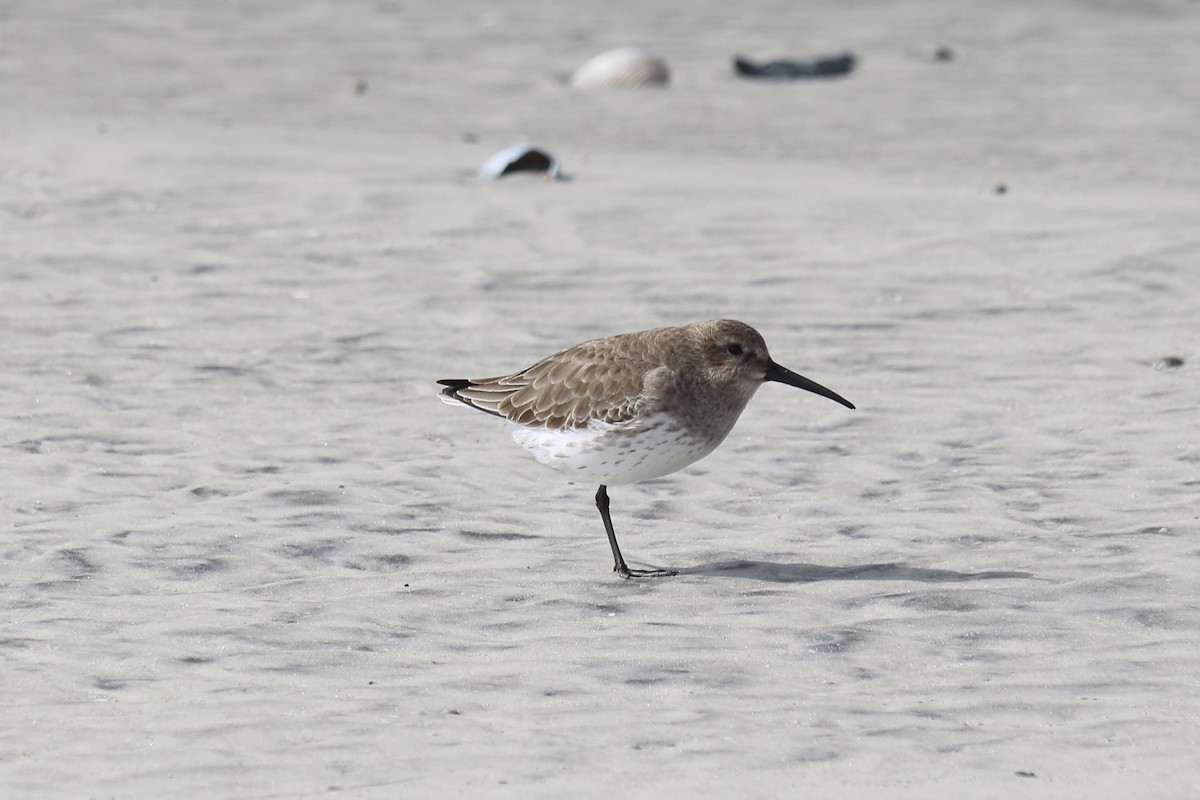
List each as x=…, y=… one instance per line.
x=632, y=407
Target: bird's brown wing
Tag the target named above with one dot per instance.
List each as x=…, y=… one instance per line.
x=569, y=389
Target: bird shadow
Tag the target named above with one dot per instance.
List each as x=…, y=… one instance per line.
x=774, y=572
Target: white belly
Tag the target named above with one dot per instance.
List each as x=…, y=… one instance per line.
x=616, y=454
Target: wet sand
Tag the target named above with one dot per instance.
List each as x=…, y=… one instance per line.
x=248, y=553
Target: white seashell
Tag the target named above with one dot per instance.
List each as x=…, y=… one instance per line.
x=520, y=158
x=624, y=68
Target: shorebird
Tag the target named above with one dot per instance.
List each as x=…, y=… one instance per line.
x=632, y=407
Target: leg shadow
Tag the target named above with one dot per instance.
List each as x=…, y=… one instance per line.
x=775, y=572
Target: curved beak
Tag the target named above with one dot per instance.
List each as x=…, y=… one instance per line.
x=784, y=375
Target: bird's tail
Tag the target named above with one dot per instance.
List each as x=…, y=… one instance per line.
x=453, y=386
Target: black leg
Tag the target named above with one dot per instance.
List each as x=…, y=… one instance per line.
x=619, y=565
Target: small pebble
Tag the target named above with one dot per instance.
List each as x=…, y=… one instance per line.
x=943, y=52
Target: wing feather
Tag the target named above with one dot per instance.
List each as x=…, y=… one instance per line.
x=603, y=380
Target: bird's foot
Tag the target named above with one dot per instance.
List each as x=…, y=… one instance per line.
x=627, y=573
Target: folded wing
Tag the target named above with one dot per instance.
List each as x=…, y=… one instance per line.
x=569, y=389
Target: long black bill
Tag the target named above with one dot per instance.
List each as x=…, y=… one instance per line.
x=785, y=375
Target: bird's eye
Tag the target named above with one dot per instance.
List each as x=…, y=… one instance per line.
x=734, y=349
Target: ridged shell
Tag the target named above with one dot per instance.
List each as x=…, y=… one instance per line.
x=623, y=68
x=520, y=158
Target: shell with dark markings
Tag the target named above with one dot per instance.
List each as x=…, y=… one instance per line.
x=520, y=158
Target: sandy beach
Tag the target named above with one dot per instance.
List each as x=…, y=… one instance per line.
x=248, y=554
